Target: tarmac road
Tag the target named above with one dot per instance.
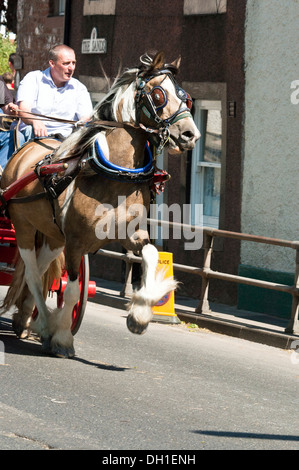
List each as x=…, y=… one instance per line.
x=173, y=388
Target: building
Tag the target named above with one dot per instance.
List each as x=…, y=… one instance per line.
x=242, y=172
x=270, y=188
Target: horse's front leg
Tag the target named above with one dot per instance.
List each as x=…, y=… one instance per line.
x=61, y=318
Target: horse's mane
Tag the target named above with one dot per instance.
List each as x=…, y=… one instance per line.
x=106, y=109
x=122, y=88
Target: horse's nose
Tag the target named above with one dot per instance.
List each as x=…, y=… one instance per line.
x=190, y=137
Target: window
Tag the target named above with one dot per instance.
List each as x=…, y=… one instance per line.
x=61, y=7
x=99, y=7
x=206, y=164
x=56, y=7
x=204, y=7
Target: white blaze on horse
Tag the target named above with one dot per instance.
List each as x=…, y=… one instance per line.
x=105, y=159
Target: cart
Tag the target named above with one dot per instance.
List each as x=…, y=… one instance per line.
x=9, y=250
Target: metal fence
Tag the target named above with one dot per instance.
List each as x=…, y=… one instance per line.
x=206, y=273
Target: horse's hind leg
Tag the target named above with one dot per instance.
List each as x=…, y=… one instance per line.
x=21, y=318
x=26, y=301
x=35, y=267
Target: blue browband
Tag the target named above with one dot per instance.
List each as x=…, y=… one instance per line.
x=100, y=164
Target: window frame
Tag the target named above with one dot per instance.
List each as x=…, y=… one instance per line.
x=205, y=7
x=208, y=91
x=199, y=166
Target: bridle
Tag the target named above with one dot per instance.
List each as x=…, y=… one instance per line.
x=151, y=102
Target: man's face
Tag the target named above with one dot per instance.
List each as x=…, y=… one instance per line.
x=63, y=69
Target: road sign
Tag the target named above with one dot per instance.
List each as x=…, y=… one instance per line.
x=164, y=310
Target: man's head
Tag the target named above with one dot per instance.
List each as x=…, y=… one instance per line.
x=62, y=62
x=11, y=60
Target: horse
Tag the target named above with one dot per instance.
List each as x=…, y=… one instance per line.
x=108, y=173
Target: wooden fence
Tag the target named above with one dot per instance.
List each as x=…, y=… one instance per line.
x=206, y=273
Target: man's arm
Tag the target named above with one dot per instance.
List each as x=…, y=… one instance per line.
x=6, y=99
x=38, y=125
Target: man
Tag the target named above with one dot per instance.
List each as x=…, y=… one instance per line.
x=53, y=92
x=11, y=63
x=8, y=79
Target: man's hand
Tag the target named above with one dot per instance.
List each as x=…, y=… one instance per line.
x=39, y=128
x=12, y=108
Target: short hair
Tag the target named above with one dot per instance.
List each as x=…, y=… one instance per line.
x=55, y=51
x=7, y=77
x=11, y=58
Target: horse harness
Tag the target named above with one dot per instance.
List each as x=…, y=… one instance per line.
x=147, y=102
x=151, y=102
x=55, y=184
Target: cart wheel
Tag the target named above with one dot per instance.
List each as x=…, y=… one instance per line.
x=79, y=308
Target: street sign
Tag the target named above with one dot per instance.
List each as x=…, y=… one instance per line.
x=94, y=45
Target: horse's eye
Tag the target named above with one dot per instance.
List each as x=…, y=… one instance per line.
x=159, y=97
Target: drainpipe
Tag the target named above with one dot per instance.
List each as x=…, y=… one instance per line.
x=67, y=22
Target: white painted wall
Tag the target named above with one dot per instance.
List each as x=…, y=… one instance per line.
x=270, y=191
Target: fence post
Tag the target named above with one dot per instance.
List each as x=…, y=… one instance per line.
x=204, y=305
x=293, y=323
x=127, y=289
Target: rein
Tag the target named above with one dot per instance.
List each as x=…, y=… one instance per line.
x=41, y=117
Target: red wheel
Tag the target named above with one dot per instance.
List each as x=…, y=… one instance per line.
x=79, y=308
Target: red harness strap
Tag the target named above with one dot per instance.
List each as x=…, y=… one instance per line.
x=159, y=181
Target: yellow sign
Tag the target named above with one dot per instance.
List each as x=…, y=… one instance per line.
x=164, y=309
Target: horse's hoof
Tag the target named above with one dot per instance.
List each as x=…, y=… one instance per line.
x=22, y=333
x=20, y=330
x=134, y=327
x=46, y=345
x=62, y=352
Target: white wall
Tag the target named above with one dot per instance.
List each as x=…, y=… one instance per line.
x=270, y=194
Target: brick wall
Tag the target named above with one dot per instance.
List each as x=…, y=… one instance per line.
x=37, y=32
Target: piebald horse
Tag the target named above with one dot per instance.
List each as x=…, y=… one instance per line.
x=105, y=159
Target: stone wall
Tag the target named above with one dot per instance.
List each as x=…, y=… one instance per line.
x=271, y=164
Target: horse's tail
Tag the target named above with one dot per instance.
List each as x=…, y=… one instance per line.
x=18, y=289
x=154, y=287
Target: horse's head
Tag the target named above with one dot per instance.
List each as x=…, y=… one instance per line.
x=149, y=96
x=163, y=106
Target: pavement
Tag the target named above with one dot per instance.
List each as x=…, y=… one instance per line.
x=221, y=319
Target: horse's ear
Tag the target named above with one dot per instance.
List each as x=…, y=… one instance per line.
x=176, y=63
x=158, y=61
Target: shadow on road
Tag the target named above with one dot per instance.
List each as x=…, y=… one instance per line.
x=101, y=365
x=32, y=347
x=248, y=435
x=14, y=345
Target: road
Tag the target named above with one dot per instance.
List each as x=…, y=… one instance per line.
x=173, y=388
